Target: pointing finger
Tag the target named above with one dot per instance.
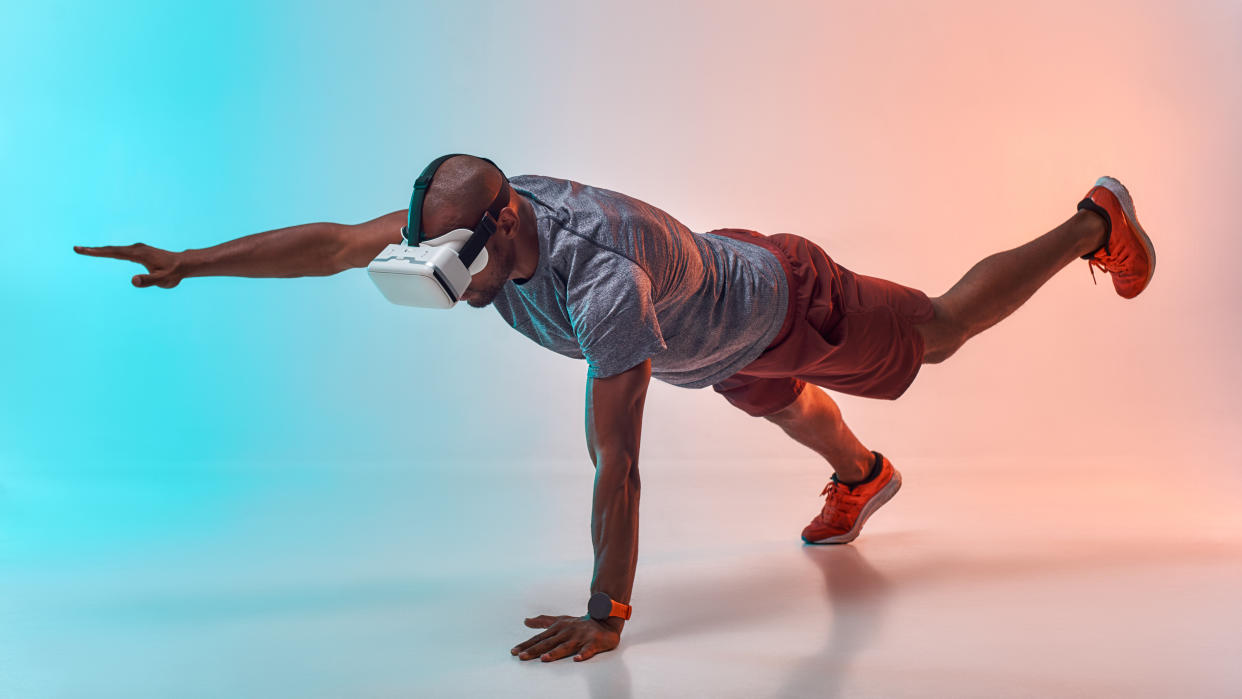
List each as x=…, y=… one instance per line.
x=114, y=251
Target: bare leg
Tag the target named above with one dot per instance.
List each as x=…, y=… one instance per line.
x=991, y=290
x=815, y=421
x=998, y=284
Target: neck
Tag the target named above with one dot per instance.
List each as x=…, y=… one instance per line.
x=527, y=248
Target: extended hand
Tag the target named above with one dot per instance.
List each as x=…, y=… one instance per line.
x=566, y=634
x=161, y=264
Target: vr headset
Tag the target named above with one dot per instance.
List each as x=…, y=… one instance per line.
x=434, y=273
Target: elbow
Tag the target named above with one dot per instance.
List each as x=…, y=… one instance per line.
x=615, y=459
x=619, y=467
x=341, y=254
x=632, y=482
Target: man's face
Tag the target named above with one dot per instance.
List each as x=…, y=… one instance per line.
x=486, y=285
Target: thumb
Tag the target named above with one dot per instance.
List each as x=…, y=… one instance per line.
x=540, y=622
x=141, y=280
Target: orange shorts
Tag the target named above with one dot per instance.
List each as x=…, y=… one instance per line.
x=844, y=331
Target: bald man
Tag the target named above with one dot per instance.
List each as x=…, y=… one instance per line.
x=765, y=320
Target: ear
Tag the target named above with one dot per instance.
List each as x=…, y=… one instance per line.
x=508, y=222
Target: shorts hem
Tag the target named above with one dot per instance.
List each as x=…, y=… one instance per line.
x=800, y=387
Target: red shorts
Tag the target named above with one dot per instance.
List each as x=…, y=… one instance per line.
x=844, y=331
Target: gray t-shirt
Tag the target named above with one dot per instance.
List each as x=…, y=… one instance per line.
x=619, y=281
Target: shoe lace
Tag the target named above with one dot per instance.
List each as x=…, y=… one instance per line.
x=1092, y=264
x=1104, y=261
x=836, y=492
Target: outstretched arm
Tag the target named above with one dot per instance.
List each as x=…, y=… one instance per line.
x=614, y=415
x=312, y=249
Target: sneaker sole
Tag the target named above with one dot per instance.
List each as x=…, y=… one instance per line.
x=884, y=495
x=1119, y=190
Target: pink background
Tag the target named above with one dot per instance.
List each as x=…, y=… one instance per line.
x=912, y=139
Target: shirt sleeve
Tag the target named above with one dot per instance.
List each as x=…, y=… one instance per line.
x=612, y=312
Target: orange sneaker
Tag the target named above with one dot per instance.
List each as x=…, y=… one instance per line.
x=848, y=506
x=1127, y=252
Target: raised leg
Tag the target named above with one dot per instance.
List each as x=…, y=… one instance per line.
x=990, y=291
x=998, y=284
x=815, y=421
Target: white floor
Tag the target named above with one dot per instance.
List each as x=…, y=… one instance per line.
x=997, y=579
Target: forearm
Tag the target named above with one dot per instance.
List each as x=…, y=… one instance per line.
x=311, y=249
x=614, y=528
x=614, y=431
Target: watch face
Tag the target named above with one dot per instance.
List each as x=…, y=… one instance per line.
x=599, y=606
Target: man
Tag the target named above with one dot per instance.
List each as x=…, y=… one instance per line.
x=764, y=320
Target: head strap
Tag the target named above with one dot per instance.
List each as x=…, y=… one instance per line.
x=486, y=226
x=414, y=220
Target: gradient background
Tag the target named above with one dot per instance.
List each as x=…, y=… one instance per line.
x=249, y=435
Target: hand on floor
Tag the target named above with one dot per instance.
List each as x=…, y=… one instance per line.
x=567, y=634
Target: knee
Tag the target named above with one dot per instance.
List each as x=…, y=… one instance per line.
x=940, y=354
x=795, y=411
x=945, y=350
x=789, y=413
x=811, y=404
x=943, y=335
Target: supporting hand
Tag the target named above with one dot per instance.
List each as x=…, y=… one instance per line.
x=568, y=634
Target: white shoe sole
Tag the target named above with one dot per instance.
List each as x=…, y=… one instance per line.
x=886, y=493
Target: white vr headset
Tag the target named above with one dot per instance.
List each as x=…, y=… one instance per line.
x=434, y=273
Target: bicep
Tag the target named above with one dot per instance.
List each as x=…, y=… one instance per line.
x=363, y=241
x=614, y=408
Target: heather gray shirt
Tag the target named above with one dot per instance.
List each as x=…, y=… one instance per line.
x=619, y=281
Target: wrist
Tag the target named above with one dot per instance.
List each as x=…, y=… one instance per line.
x=186, y=263
x=607, y=612
x=613, y=623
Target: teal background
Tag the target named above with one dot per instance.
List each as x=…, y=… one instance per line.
x=184, y=126
x=166, y=456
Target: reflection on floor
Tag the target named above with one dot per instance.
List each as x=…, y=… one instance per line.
x=978, y=580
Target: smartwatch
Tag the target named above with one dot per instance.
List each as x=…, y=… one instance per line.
x=601, y=606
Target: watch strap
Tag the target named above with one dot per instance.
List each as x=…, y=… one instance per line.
x=601, y=607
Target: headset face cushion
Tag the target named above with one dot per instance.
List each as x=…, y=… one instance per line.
x=456, y=239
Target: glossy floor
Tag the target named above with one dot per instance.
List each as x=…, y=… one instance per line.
x=996, y=579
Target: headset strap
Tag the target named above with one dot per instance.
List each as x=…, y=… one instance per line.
x=486, y=226
x=414, y=221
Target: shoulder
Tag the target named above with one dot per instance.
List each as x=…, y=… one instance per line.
x=582, y=207
x=552, y=193
x=590, y=220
